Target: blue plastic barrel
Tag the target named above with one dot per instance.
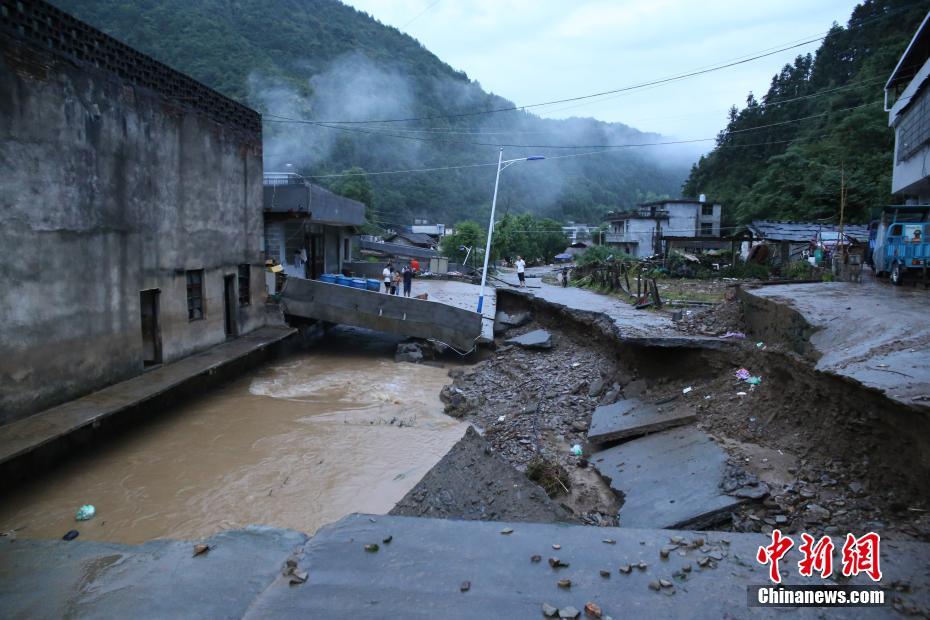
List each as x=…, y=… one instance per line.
x=329, y=278
x=374, y=285
x=343, y=281
x=359, y=283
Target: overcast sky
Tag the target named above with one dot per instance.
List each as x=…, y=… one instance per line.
x=532, y=51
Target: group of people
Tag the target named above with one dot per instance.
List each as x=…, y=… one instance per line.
x=393, y=278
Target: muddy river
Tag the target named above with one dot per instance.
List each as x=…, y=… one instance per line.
x=298, y=443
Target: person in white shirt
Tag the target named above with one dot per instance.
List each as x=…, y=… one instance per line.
x=521, y=270
x=386, y=277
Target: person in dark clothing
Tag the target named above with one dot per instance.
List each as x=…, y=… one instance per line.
x=564, y=277
x=407, y=275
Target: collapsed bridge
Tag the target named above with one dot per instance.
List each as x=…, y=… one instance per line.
x=309, y=300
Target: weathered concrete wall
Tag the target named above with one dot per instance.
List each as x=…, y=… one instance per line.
x=110, y=188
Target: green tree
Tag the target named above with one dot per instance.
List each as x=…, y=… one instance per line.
x=466, y=234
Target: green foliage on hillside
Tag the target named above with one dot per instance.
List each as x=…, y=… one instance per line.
x=322, y=60
x=794, y=170
x=468, y=235
x=535, y=239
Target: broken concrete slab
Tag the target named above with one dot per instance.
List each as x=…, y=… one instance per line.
x=536, y=339
x=418, y=575
x=158, y=579
x=626, y=419
x=418, y=572
x=506, y=320
x=670, y=479
x=408, y=352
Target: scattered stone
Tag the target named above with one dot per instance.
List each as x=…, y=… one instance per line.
x=655, y=585
x=550, y=611
x=569, y=613
x=556, y=547
x=465, y=587
x=388, y=540
x=605, y=573
x=295, y=576
x=200, y=549
x=565, y=583
x=70, y=535
x=536, y=339
x=536, y=558
x=557, y=563
x=686, y=568
x=609, y=541
x=592, y=610
x=626, y=569
x=580, y=426
x=642, y=566
x=665, y=583
x=596, y=387
x=817, y=513
x=371, y=547
x=507, y=530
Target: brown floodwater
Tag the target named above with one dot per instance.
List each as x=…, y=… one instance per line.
x=298, y=443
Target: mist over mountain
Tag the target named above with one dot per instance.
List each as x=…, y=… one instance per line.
x=320, y=60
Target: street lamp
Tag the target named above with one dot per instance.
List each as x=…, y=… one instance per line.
x=501, y=164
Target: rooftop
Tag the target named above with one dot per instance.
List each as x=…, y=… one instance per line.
x=916, y=54
x=801, y=232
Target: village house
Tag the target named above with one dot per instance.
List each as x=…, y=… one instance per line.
x=308, y=229
x=130, y=212
x=907, y=101
x=654, y=228
x=788, y=241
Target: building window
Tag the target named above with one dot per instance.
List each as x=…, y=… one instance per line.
x=195, y=295
x=707, y=229
x=245, y=284
x=707, y=209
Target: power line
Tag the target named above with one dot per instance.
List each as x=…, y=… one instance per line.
x=570, y=99
x=420, y=14
x=491, y=164
x=576, y=146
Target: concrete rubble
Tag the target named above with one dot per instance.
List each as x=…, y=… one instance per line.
x=669, y=479
x=630, y=418
x=536, y=339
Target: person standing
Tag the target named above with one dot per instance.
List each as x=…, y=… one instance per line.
x=564, y=277
x=521, y=271
x=395, y=282
x=407, y=275
x=386, y=276
x=415, y=266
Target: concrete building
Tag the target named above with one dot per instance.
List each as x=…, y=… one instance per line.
x=653, y=227
x=578, y=232
x=308, y=229
x=130, y=212
x=907, y=101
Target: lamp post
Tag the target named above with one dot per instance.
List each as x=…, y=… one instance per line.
x=501, y=164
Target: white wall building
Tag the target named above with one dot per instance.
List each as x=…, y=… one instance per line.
x=907, y=101
x=645, y=231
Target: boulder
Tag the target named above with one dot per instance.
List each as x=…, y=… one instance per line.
x=408, y=352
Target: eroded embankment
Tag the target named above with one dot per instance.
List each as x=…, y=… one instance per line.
x=833, y=454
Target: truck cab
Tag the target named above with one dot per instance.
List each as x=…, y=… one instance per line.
x=900, y=244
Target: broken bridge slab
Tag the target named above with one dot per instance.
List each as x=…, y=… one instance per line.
x=669, y=479
x=420, y=573
x=630, y=418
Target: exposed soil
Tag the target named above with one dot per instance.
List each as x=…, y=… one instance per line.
x=823, y=452
x=473, y=483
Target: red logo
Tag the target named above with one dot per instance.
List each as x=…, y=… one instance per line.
x=860, y=555
x=774, y=552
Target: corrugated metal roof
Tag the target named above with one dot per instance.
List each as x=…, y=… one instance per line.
x=397, y=249
x=800, y=232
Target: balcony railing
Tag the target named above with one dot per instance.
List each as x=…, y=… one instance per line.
x=615, y=237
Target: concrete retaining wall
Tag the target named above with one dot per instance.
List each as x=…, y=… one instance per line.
x=112, y=187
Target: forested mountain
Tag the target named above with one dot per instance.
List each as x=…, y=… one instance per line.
x=322, y=60
x=767, y=166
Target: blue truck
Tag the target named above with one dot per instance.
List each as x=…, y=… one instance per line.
x=898, y=242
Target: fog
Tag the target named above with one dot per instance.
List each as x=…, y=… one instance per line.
x=355, y=88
